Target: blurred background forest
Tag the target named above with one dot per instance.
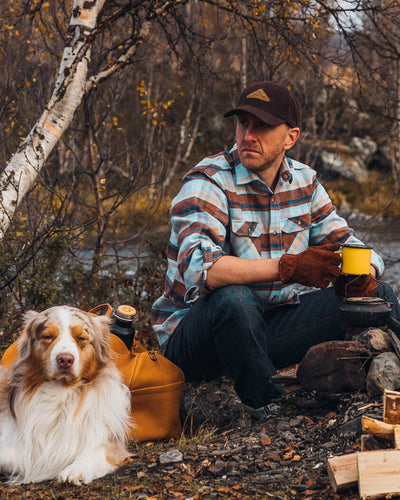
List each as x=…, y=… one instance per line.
x=94, y=226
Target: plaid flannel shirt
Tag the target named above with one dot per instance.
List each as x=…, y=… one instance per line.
x=225, y=209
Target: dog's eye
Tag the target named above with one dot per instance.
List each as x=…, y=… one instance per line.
x=48, y=338
x=82, y=339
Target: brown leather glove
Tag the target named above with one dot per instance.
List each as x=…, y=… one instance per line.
x=316, y=266
x=357, y=286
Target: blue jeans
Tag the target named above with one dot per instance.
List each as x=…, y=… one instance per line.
x=229, y=332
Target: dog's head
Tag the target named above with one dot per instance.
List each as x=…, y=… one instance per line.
x=64, y=344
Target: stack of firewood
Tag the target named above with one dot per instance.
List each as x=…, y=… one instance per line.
x=376, y=468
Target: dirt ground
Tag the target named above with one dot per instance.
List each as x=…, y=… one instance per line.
x=224, y=454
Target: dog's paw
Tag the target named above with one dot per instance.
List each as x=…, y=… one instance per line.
x=86, y=467
x=75, y=474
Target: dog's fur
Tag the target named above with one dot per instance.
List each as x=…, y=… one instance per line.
x=64, y=410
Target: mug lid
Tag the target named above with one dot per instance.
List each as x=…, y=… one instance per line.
x=356, y=245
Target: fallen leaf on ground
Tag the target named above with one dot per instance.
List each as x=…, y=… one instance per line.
x=265, y=440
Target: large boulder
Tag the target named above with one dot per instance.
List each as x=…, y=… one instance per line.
x=364, y=147
x=335, y=366
x=342, y=163
x=336, y=159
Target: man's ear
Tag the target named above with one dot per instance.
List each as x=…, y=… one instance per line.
x=291, y=138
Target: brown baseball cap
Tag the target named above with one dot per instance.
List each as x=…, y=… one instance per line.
x=271, y=102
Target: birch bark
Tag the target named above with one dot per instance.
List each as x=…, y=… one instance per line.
x=29, y=159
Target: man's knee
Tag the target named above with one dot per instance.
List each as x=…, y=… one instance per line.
x=385, y=291
x=237, y=299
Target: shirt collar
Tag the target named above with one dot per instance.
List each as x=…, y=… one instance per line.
x=245, y=176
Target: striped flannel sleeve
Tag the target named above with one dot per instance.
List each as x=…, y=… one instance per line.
x=329, y=227
x=199, y=217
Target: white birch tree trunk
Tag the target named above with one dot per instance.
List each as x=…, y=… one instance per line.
x=27, y=162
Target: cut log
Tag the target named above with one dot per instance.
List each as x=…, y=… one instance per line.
x=395, y=342
x=378, y=473
x=391, y=407
x=376, y=427
x=343, y=471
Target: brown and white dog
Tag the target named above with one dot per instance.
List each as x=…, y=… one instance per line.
x=64, y=410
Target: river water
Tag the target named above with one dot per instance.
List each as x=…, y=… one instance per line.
x=384, y=237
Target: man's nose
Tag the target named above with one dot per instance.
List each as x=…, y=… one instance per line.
x=249, y=133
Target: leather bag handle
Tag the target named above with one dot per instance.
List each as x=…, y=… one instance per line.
x=100, y=307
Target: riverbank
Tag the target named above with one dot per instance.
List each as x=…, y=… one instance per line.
x=384, y=237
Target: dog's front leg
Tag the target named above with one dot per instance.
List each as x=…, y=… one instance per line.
x=9, y=463
x=93, y=464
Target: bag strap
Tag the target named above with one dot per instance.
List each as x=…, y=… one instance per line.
x=100, y=307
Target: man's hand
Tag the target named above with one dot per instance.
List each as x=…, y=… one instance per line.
x=316, y=266
x=350, y=285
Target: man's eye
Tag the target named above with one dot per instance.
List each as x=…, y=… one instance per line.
x=265, y=125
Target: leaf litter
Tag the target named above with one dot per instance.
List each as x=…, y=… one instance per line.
x=225, y=454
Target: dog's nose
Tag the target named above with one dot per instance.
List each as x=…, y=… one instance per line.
x=65, y=360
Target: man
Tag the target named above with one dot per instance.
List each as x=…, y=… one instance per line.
x=248, y=227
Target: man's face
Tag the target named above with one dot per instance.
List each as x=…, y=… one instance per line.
x=261, y=146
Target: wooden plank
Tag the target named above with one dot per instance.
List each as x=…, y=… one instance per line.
x=343, y=471
x=285, y=376
x=391, y=407
x=397, y=437
x=378, y=473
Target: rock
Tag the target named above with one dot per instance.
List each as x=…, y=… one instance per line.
x=351, y=428
x=219, y=467
x=384, y=373
x=364, y=147
x=375, y=339
x=348, y=166
x=335, y=366
x=171, y=456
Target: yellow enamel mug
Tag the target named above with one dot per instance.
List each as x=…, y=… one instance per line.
x=356, y=258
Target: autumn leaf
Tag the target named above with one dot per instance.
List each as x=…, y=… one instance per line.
x=310, y=492
x=265, y=440
x=309, y=420
x=289, y=455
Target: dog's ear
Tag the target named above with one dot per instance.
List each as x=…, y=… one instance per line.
x=28, y=332
x=102, y=338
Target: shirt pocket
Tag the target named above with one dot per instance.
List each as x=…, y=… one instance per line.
x=245, y=238
x=296, y=233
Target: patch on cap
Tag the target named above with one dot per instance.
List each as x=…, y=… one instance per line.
x=259, y=94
